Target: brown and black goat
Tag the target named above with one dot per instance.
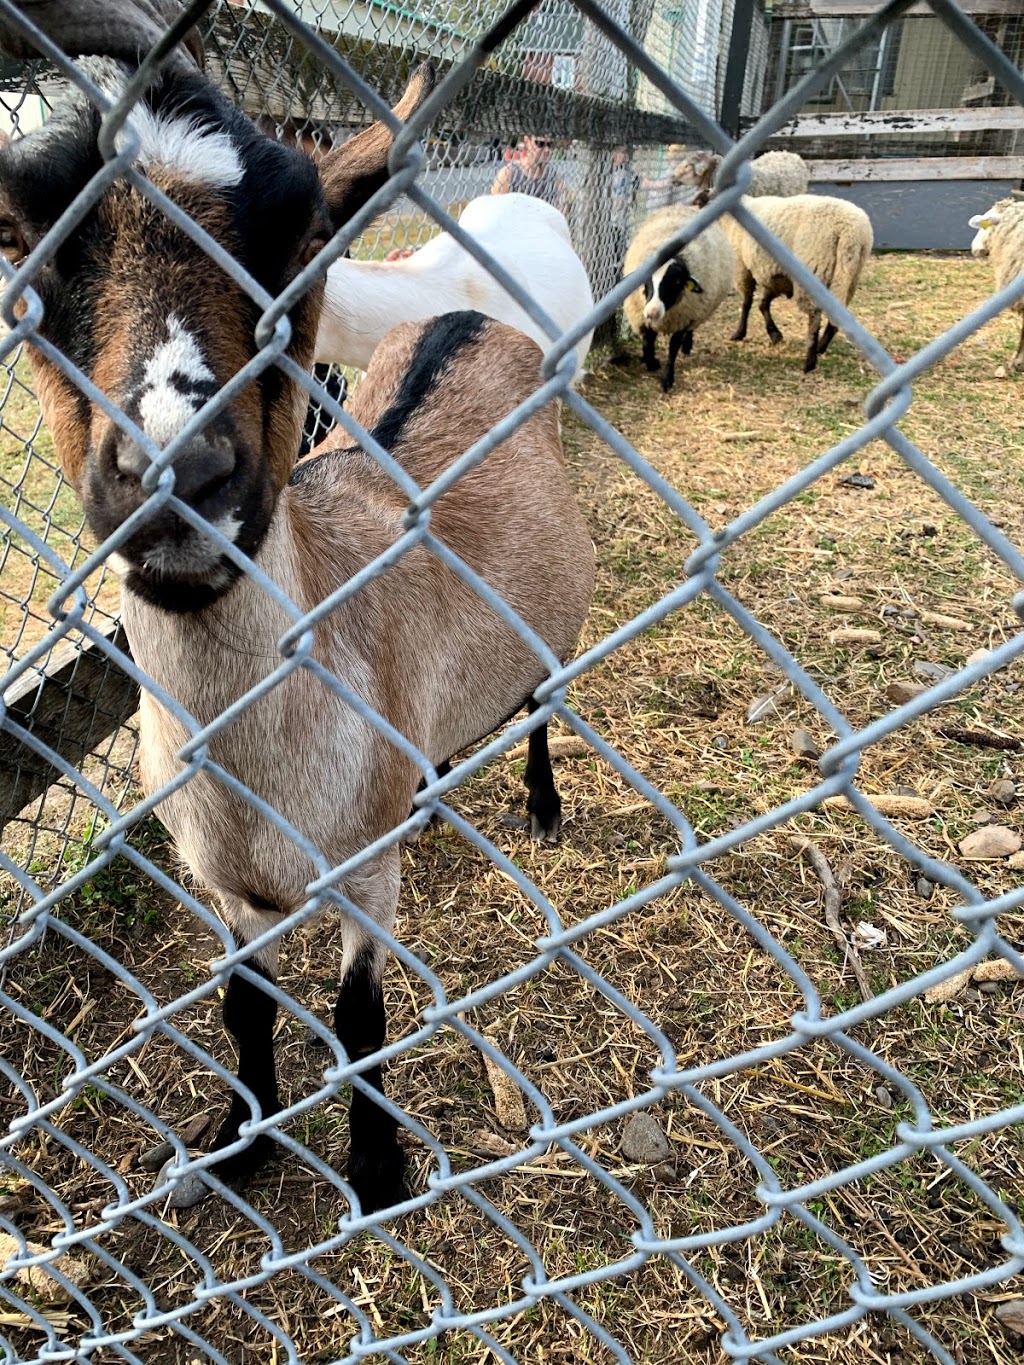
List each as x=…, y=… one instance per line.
x=159, y=328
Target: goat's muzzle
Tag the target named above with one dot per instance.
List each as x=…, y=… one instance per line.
x=166, y=559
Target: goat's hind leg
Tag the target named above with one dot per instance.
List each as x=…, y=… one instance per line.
x=543, y=802
x=1018, y=359
x=376, y=1163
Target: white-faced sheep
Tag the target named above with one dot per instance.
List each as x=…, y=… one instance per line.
x=1000, y=238
x=682, y=293
x=832, y=237
x=774, y=173
x=365, y=299
x=161, y=329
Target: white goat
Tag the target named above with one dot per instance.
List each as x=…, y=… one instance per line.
x=365, y=299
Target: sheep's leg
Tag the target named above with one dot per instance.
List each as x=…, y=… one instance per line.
x=543, y=802
x=249, y=1015
x=376, y=1163
x=649, y=339
x=1018, y=359
x=767, y=299
x=826, y=338
x=677, y=341
x=749, y=288
x=813, y=323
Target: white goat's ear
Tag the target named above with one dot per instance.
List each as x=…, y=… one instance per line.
x=353, y=172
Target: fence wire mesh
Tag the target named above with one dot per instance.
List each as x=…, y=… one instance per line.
x=97, y=1264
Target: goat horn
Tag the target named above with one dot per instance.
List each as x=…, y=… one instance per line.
x=123, y=29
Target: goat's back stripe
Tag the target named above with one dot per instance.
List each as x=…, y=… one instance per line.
x=440, y=341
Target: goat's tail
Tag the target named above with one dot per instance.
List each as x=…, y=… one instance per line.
x=852, y=252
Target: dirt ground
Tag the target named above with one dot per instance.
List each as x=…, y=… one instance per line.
x=675, y=702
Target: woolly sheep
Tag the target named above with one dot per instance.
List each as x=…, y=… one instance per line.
x=1000, y=237
x=773, y=173
x=683, y=292
x=831, y=236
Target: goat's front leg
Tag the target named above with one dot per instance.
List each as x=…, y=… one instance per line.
x=249, y=1015
x=747, y=289
x=813, y=324
x=1018, y=359
x=376, y=1163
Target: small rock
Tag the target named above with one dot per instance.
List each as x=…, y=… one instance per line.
x=1000, y=371
x=664, y=1173
x=903, y=790
x=644, y=1140
x=855, y=637
x=982, y=817
x=924, y=668
x=1011, y=1314
x=720, y=742
x=187, y=1193
x=858, y=480
x=990, y=844
x=195, y=1128
x=924, y=888
x=890, y=610
x=1016, y=861
x=978, y=656
x=509, y=821
x=803, y=745
x=988, y=987
x=312, y=1039
x=883, y=1096
x=900, y=692
x=1002, y=791
x=155, y=1158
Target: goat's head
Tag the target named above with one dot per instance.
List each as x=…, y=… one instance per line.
x=148, y=317
x=983, y=223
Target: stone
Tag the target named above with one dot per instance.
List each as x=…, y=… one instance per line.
x=1002, y=791
x=978, y=656
x=883, y=1097
x=924, y=668
x=988, y=987
x=509, y=821
x=155, y=1158
x=990, y=844
x=803, y=745
x=982, y=817
x=1011, y=1315
x=1000, y=372
x=924, y=888
x=858, y=480
x=901, y=692
x=1016, y=861
x=644, y=1140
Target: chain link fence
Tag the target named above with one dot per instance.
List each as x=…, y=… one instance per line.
x=95, y=1263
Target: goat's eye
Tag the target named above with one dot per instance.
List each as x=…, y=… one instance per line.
x=12, y=243
x=313, y=249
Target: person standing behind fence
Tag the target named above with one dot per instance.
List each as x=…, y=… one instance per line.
x=534, y=174
x=625, y=183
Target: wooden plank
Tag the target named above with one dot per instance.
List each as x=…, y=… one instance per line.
x=82, y=699
x=903, y=122
x=854, y=9
x=854, y=171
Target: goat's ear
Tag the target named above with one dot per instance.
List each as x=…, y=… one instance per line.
x=355, y=171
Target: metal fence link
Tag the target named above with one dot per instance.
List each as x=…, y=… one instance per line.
x=643, y=76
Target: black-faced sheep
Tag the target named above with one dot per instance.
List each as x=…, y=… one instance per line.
x=682, y=293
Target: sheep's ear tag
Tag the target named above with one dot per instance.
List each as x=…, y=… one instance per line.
x=982, y=221
x=693, y=286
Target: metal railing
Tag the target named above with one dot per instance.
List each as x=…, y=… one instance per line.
x=56, y=1079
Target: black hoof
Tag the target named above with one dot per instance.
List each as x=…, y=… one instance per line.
x=236, y=1169
x=774, y=338
x=545, y=811
x=652, y=365
x=378, y=1178
x=667, y=385
x=738, y=336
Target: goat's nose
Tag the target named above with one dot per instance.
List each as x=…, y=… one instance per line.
x=199, y=469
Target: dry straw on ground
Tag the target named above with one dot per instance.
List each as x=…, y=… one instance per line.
x=890, y=562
